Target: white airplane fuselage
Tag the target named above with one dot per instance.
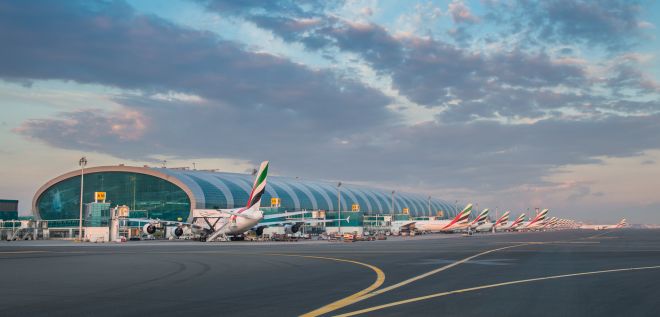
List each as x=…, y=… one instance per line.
x=485, y=227
x=226, y=223
x=399, y=225
x=439, y=226
x=529, y=225
x=599, y=227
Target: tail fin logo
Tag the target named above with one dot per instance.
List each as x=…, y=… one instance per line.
x=482, y=216
x=461, y=217
x=465, y=214
x=259, y=186
x=504, y=218
x=519, y=220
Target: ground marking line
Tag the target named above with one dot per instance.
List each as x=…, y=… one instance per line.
x=465, y=290
x=596, y=235
x=353, y=299
x=364, y=295
x=380, y=279
x=421, y=276
x=20, y=252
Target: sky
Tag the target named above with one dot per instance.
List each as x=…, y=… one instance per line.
x=512, y=105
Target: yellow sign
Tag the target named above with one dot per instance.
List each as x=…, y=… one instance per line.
x=406, y=211
x=355, y=207
x=441, y=213
x=275, y=202
x=122, y=211
x=99, y=196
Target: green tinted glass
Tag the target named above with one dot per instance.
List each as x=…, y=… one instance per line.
x=155, y=197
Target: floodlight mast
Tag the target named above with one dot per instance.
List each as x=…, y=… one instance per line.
x=82, y=162
x=339, y=206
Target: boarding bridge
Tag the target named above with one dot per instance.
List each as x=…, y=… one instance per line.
x=23, y=230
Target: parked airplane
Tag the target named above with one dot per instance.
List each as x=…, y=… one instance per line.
x=398, y=226
x=490, y=226
x=621, y=224
x=515, y=224
x=222, y=223
x=535, y=223
x=503, y=221
x=459, y=222
x=479, y=220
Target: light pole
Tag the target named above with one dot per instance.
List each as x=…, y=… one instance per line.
x=429, y=206
x=392, y=209
x=339, y=205
x=81, y=163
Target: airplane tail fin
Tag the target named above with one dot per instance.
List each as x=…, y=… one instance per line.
x=461, y=217
x=464, y=214
x=259, y=187
x=481, y=217
x=519, y=220
x=504, y=218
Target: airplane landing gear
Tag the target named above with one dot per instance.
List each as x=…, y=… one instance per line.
x=238, y=238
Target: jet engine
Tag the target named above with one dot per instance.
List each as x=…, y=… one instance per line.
x=260, y=231
x=178, y=231
x=149, y=228
x=293, y=228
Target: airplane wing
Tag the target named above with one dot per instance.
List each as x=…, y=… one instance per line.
x=286, y=214
x=163, y=222
x=211, y=213
x=407, y=225
x=286, y=222
x=235, y=214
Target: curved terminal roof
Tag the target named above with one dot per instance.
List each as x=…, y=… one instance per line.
x=231, y=190
x=211, y=190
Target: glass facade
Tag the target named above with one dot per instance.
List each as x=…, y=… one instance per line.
x=156, y=197
x=8, y=209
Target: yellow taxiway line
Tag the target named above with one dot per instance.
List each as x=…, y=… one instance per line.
x=471, y=289
x=21, y=252
x=380, y=279
x=369, y=292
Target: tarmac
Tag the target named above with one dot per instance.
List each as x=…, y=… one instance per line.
x=560, y=273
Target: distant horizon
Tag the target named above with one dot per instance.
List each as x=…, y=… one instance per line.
x=494, y=213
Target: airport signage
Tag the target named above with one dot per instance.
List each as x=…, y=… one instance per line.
x=99, y=196
x=123, y=211
x=275, y=202
x=355, y=207
x=406, y=211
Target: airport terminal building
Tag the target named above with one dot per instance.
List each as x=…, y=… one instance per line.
x=172, y=194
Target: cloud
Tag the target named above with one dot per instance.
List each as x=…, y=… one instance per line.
x=276, y=7
x=461, y=13
x=481, y=155
x=614, y=24
x=110, y=44
x=430, y=72
x=516, y=82
x=434, y=72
